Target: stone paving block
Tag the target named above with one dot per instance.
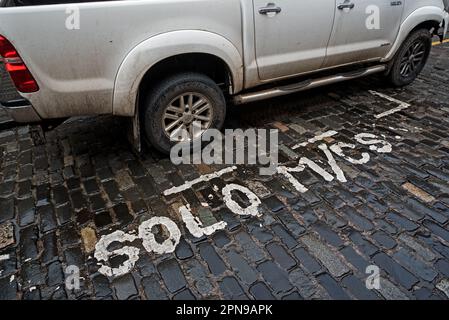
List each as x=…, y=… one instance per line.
x=97, y=203
x=273, y=203
x=153, y=289
x=221, y=239
x=332, y=287
x=26, y=211
x=50, y=247
x=64, y=214
x=32, y=274
x=281, y=256
x=306, y=260
x=102, y=219
x=436, y=229
x=261, y=292
x=198, y=274
x=415, y=265
x=89, y=239
x=172, y=275
x=417, y=192
x=402, y=222
x=55, y=274
x=289, y=221
x=231, y=220
x=355, y=259
x=285, y=236
x=366, y=247
x=8, y=289
x=250, y=248
x=32, y=293
x=258, y=188
x=101, y=286
x=275, y=277
x=6, y=209
x=74, y=256
x=441, y=249
x=328, y=258
x=69, y=236
x=384, y=240
x=307, y=287
x=358, y=289
x=260, y=233
x=122, y=214
x=47, y=218
x=145, y=266
x=243, y=270
x=6, y=235
x=328, y=234
x=183, y=250
x=185, y=294
x=231, y=289
x=125, y=287
x=213, y=260
x=390, y=292
x=386, y=226
x=443, y=267
x=293, y=296
x=28, y=243
x=395, y=270
x=60, y=195
x=358, y=221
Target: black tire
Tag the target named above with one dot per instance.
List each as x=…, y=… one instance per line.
x=397, y=74
x=160, y=97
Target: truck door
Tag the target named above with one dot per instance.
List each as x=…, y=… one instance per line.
x=363, y=30
x=291, y=36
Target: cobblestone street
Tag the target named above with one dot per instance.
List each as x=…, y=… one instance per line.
x=63, y=190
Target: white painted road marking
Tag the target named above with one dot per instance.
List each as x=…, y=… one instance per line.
x=149, y=241
x=371, y=140
x=319, y=137
x=251, y=210
x=206, y=177
x=103, y=251
x=4, y=257
x=195, y=226
x=402, y=105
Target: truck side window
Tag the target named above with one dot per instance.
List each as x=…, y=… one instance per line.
x=20, y=3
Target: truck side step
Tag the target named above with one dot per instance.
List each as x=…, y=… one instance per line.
x=306, y=85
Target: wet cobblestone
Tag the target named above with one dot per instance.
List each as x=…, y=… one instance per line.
x=63, y=190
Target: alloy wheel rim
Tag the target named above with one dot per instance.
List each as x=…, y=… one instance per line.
x=412, y=59
x=187, y=116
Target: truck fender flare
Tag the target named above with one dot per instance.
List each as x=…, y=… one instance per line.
x=423, y=14
x=155, y=49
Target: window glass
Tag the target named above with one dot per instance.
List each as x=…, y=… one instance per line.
x=17, y=3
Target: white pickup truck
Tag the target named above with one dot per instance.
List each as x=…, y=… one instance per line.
x=168, y=63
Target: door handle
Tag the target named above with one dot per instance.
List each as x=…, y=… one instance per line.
x=270, y=8
x=346, y=6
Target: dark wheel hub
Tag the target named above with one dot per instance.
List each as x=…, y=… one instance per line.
x=412, y=59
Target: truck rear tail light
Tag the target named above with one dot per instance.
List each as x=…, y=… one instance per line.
x=20, y=75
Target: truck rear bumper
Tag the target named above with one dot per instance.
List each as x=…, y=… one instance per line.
x=21, y=111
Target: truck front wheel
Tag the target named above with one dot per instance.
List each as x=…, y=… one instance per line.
x=180, y=108
x=411, y=58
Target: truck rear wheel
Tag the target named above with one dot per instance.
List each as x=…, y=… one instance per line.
x=411, y=58
x=181, y=108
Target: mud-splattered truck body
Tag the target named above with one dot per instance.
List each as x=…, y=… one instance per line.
x=107, y=57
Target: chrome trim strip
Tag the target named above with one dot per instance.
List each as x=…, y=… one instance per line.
x=291, y=88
